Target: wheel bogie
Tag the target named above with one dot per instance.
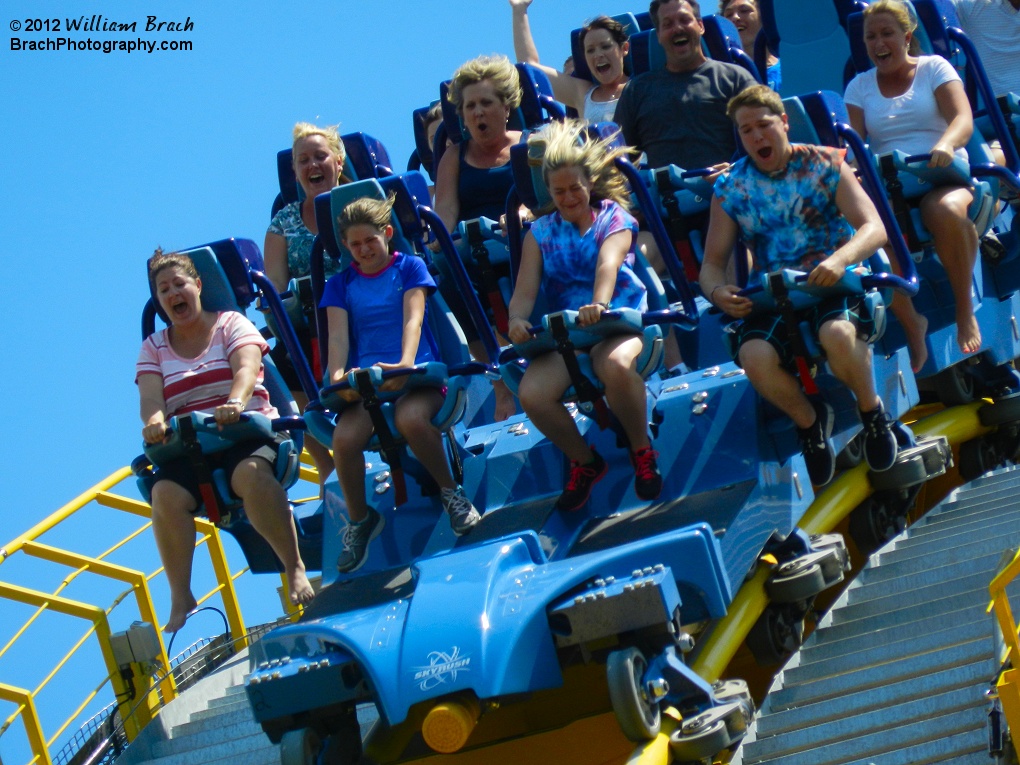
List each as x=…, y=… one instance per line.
x=638, y=713
x=300, y=747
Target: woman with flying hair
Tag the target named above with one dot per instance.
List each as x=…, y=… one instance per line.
x=581, y=255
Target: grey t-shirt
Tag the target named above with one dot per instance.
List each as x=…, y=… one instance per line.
x=680, y=118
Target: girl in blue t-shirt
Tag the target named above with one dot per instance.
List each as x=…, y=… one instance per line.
x=582, y=256
x=363, y=304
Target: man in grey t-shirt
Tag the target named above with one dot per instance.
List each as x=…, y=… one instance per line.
x=677, y=115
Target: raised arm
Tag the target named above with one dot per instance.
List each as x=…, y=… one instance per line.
x=568, y=90
x=722, y=237
x=522, y=303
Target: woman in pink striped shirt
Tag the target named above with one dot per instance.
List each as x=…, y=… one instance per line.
x=212, y=362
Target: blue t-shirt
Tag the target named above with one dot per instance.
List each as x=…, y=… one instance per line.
x=569, y=260
x=375, y=310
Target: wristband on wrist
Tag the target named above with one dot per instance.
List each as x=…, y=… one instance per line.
x=604, y=305
x=711, y=295
x=237, y=401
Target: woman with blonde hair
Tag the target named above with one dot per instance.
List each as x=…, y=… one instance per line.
x=581, y=255
x=474, y=178
x=917, y=104
x=318, y=158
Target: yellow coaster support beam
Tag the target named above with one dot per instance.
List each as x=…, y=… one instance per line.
x=136, y=579
x=30, y=718
x=95, y=615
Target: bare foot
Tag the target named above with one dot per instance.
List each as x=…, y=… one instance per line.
x=301, y=592
x=179, y=610
x=968, y=334
x=506, y=406
x=916, y=332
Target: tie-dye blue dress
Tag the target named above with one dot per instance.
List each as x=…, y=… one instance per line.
x=569, y=260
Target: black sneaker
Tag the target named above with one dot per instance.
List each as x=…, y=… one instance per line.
x=580, y=482
x=814, y=442
x=647, y=478
x=880, y=447
x=355, y=541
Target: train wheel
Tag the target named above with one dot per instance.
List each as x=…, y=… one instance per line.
x=875, y=521
x=1001, y=411
x=776, y=636
x=639, y=716
x=914, y=465
x=795, y=581
x=954, y=386
x=700, y=744
x=299, y=747
x=852, y=453
x=977, y=457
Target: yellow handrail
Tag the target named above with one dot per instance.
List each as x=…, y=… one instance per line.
x=1008, y=683
x=135, y=715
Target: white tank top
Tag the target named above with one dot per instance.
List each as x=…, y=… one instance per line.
x=598, y=111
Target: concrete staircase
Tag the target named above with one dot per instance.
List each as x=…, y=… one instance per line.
x=897, y=671
x=212, y=724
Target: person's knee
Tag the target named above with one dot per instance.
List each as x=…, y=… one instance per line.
x=758, y=359
x=170, y=499
x=412, y=423
x=939, y=210
x=838, y=339
x=253, y=474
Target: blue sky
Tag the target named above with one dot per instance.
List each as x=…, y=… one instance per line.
x=108, y=155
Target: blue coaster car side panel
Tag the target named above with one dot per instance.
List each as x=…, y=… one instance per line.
x=495, y=600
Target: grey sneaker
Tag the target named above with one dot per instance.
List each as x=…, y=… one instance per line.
x=463, y=515
x=356, y=539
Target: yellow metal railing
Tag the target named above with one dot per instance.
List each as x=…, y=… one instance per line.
x=138, y=701
x=1008, y=683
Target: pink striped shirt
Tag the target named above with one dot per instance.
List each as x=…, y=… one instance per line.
x=204, y=382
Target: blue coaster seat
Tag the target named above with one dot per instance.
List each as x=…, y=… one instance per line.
x=227, y=270
x=453, y=370
x=559, y=332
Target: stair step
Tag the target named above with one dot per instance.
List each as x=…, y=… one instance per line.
x=268, y=756
x=859, y=622
x=996, y=515
x=198, y=724
x=239, y=749
x=950, y=567
x=970, y=676
x=799, y=738
x=888, y=651
x=915, y=669
x=916, y=559
x=906, y=734
x=967, y=748
x=831, y=642
x=209, y=738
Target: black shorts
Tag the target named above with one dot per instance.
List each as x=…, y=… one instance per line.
x=770, y=327
x=180, y=471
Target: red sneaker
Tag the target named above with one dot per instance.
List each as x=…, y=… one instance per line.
x=580, y=482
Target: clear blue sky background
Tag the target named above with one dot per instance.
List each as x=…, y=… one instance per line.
x=108, y=155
